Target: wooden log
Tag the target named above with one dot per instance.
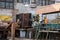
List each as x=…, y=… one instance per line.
x=14, y=12
x=12, y=31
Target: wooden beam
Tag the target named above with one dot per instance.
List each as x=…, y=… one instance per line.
x=51, y=13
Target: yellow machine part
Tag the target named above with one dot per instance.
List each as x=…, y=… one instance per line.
x=5, y=18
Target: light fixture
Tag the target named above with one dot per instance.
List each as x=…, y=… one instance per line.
x=26, y=4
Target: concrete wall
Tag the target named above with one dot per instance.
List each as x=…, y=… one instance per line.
x=22, y=8
x=5, y=12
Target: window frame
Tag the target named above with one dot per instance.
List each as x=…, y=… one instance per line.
x=23, y=1
x=9, y=4
x=46, y=2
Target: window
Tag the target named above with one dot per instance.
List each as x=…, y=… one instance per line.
x=11, y=5
x=8, y=4
x=24, y=1
x=52, y=2
x=2, y=0
x=44, y=2
x=34, y=2
x=9, y=0
x=2, y=4
x=47, y=2
x=20, y=1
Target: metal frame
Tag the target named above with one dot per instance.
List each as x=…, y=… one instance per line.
x=47, y=31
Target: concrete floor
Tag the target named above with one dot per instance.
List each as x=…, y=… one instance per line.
x=21, y=39
x=31, y=39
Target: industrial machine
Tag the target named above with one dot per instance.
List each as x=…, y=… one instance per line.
x=25, y=22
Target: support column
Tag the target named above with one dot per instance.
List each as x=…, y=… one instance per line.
x=12, y=32
x=14, y=12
